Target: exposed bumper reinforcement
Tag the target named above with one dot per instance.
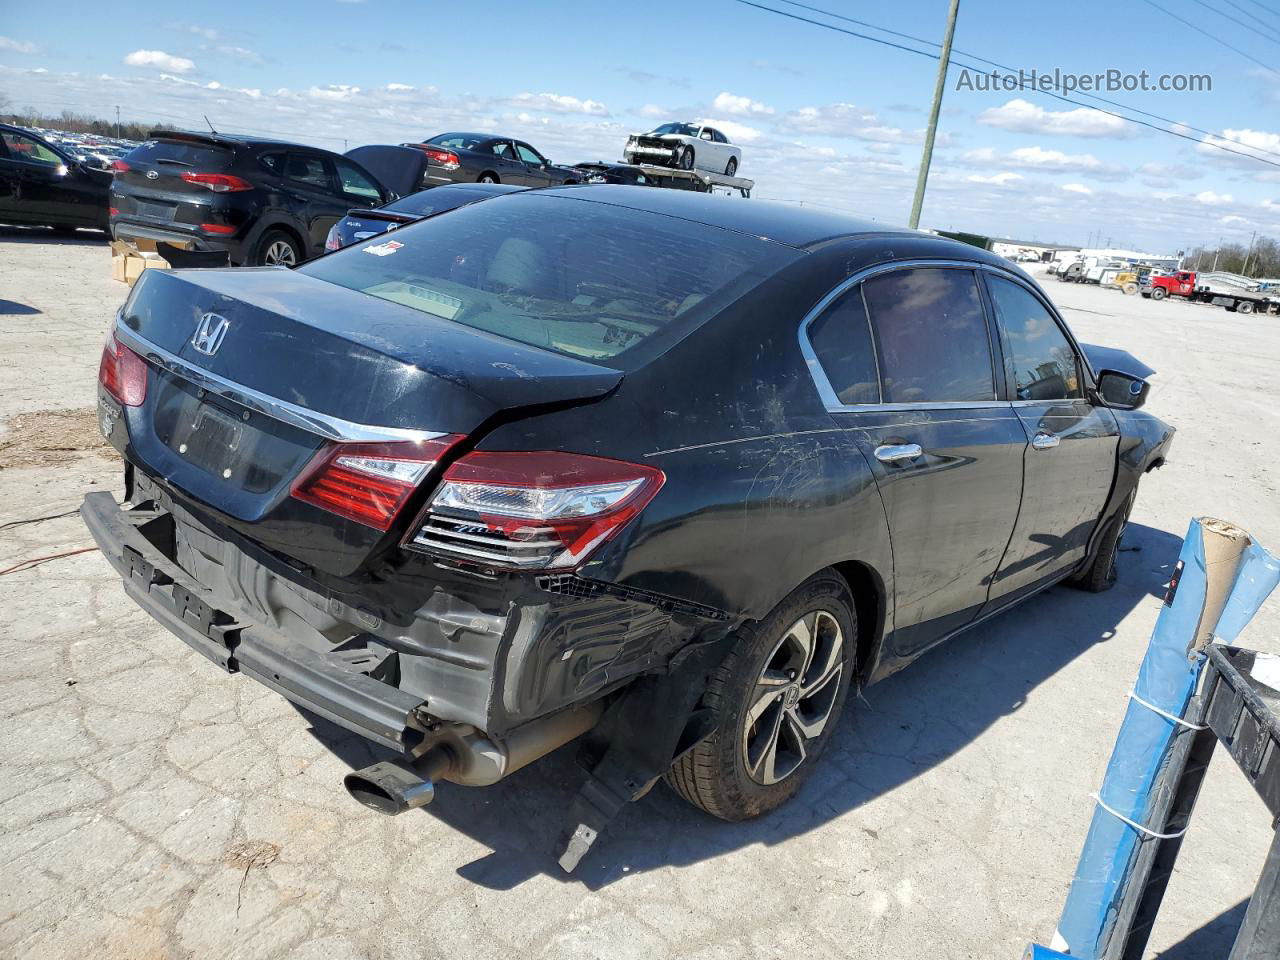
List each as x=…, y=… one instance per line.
x=324, y=685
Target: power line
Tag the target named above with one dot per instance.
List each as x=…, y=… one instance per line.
x=1218, y=40
x=1232, y=3
x=1056, y=96
x=1270, y=38
x=1271, y=10
x=1005, y=66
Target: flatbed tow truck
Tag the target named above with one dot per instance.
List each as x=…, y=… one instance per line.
x=645, y=174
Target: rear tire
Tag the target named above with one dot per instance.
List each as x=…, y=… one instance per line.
x=735, y=774
x=1129, y=289
x=487, y=178
x=731, y=168
x=277, y=248
x=1246, y=306
x=1159, y=293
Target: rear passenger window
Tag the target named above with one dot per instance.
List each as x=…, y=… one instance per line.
x=841, y=339
x=931, y=336
x=308, y=170
x=355, y=183
x=1044, y=363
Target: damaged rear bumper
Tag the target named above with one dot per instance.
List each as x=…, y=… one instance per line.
x=326, y=685
x=403, y=656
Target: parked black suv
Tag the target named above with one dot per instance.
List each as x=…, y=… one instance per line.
x=262, y=201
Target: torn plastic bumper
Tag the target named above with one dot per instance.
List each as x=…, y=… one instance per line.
x=322, y=684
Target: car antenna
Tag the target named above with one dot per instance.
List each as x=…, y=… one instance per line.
x=206, y=120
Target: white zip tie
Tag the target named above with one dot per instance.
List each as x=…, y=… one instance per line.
x=1137, y=826
x=1168, y=716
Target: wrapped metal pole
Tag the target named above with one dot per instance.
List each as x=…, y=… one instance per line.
x=1221, y=580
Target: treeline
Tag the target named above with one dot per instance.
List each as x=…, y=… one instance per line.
x=69, y=122
x=1260, y=260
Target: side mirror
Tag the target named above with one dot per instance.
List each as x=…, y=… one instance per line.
x=1122, y=390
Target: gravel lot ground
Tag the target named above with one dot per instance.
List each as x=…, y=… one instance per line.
x=151, y=806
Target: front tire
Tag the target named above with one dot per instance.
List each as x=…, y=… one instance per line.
x=776, y=700
x=687, y=159
x=1159, y=293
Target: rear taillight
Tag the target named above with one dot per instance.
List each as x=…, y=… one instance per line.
x=218, y=182
x=219, y=228
x=119, y=166
x=369, y=482
x=533, y=511
x=445, y=159
x=332, y=241
x=113, y=211
x=122, y=373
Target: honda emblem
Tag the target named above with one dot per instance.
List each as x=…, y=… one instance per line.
x=209, y=333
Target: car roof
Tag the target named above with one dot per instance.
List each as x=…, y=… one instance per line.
x=784, y=223
x=464, y=133
x=229, y=139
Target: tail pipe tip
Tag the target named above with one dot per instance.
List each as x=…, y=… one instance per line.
x=390, y=787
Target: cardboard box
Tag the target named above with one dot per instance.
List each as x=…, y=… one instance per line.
x=129, y=259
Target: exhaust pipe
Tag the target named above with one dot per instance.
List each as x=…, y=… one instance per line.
x=464, y=756
x=394, y=786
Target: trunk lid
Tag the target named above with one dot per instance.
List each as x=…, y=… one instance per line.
x=329, y=356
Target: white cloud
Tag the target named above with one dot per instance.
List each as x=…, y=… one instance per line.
x=999, y=179
x=559, y=103
x=160, y=60
x=1213, y=199
x=399, y=87
x=1171, y=171
x=1232, y=218
x=736, y=132
x=1024, y=117
x=1077, y=188
x=1259, y=144
x=334, y=91
x=851, y=120
x=739, y=106
x=882, y=148
x=18, y=46
x=243, y=54
x=1050, y=161
x=652, y=110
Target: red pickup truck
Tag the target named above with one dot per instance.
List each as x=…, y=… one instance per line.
x=1180, y=284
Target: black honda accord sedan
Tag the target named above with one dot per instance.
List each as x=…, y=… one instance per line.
x=664, y=472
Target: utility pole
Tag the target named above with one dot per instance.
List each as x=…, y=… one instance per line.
x=943, y=62
x=1245, y=269
x=1215, y=255
x=117, y=122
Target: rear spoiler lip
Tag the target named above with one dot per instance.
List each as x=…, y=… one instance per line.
x=391, y=216
x=190, y=136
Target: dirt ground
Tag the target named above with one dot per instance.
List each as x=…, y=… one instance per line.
x=153, y=807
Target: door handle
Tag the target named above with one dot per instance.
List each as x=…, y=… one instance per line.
x=1045, y=441
x=894, y=452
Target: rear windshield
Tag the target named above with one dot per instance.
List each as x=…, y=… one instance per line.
x=206, y=156
x=578, y=277
x=438, y=199
x=458, y=141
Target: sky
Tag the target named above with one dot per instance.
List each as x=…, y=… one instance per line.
x=823, y=118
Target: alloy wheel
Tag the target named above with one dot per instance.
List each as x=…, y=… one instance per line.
x=793, y=698
x=280, y=254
